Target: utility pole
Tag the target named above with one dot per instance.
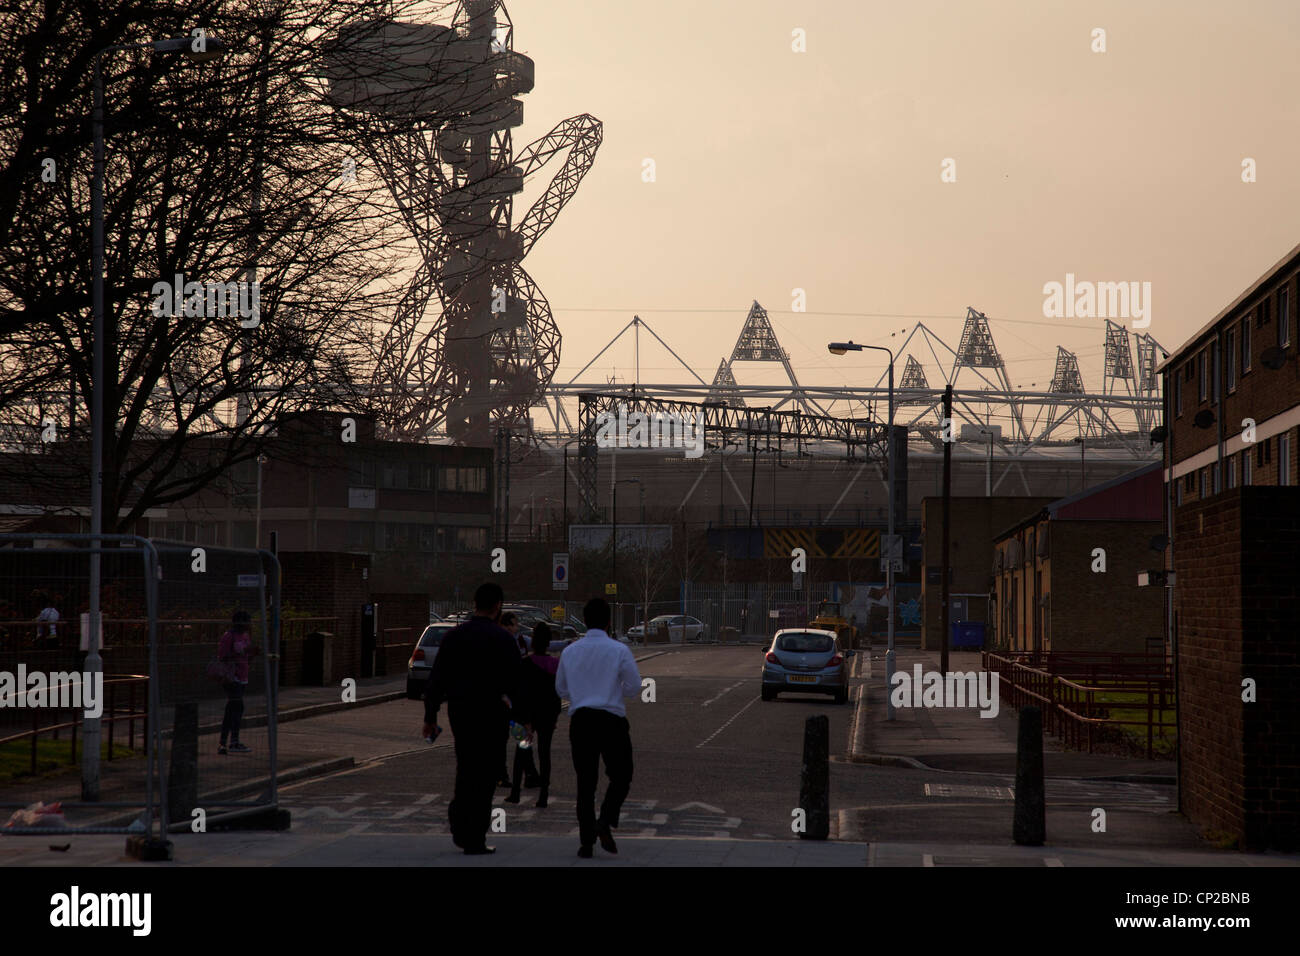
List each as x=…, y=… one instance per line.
x=947, y=436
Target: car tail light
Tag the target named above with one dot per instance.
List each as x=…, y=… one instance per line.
x=418, y=655
x=835, y=661
x=772, y=658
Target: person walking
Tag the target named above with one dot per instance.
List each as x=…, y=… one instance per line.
x=477, y=673
x=510, y=621
x=234, y=650
x=596, y=672
x=538, y=705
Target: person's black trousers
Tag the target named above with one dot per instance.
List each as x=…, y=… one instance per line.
x=479, y=735
x=595, y=735
x=234, y=711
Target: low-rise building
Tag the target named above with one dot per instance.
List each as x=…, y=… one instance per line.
x=1066, y=576
x=1232, y=410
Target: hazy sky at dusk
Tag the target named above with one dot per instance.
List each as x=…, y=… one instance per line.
x=821, y=170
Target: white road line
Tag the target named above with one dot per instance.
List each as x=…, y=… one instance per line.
x=1052, y=861
x=728, y=723
x=927, y=859
x=727, y=691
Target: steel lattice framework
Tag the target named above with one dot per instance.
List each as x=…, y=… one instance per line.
x=472, y=344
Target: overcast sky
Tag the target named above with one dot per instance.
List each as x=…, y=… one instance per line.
x=820, y=170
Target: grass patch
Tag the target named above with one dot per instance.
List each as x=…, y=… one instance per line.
x=52, y=756
x=1164, y=740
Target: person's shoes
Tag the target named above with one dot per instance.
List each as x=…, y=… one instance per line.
x=479, y=850
x=541, y=798
x=221, y=750
x=456, y=842
x=531, y=781
x=606, y=838
x=585, y=852
x=513, y=796
x=238, y=748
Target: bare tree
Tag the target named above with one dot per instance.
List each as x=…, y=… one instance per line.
x=247, y=247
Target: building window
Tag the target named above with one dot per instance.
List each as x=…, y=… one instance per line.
x=1189, y=482
x=1218, y=478
x=1205, y=482
x=468, y=539
x=1245, y=468
x=1245, y=346
x=1263, y=452
x=1178, y=492
x=1232, y=471
x=1204, y=387
x=1284, y=458
x=471, y=480
x=1283, y=318
x=1230, y=338
x=1262, y=316
x=1178, y=395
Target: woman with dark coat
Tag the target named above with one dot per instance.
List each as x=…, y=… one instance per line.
x=540, y=706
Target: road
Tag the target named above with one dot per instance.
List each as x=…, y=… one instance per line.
x=712, y=760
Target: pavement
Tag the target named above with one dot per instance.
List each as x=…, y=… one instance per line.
x=717, y=773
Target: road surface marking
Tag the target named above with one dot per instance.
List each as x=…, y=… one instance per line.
x=728, y=723
x=1052, y=861
x=725, y=692
x=927, y=859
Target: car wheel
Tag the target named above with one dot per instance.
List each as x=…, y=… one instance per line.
x=768, y=694
x=842, y=697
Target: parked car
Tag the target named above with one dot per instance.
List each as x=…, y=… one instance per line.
x=426, y=649
x=806, y=661
x=679, y=628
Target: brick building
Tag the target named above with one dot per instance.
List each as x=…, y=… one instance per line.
x=1232, y=408
x=419, y=511
x=974, y=523
x=1051, y=593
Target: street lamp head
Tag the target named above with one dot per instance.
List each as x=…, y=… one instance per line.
x=839, y=348
x=209, y=47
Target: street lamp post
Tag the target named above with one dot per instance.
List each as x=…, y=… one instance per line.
x=199, y=49
x=839, y=348
x=613, y=490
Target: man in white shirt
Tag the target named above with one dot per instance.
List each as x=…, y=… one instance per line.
x=595, y=674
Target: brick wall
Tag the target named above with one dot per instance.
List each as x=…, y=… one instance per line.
x=975, y=523
x=1094, y=611
x=1238, y=607
x=330, y=584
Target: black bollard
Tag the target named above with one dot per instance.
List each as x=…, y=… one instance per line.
x=183, y=776
x=815, y=784
x=1030, y=825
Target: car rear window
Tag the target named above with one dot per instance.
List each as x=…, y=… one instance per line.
x=432, y=636
x=805, y=643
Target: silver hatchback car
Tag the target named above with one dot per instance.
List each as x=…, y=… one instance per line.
x=806, y=661
x=421, y=662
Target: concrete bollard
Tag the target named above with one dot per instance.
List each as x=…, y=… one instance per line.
x=815, y=783
x=183, y=775
x=1029, y=827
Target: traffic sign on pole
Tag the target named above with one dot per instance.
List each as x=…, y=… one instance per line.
x=560, y=571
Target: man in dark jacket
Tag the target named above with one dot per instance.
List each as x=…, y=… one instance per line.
x=476, y=672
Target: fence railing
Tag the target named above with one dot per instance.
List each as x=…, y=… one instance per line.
x=126, y=700
x=1079, y=708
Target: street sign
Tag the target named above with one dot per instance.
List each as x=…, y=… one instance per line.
x=248, y=580
x=557, y=613
x=891, y=546
x=892, y=564
x=611, y=588
x=560, y=571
